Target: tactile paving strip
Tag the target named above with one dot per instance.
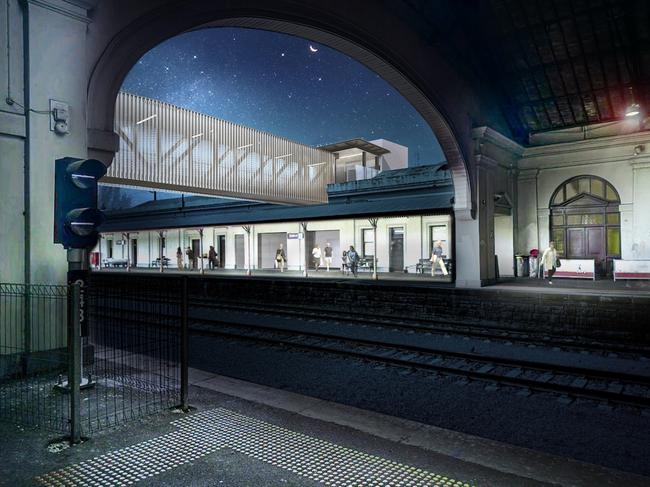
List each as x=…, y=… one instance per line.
x=204, y=433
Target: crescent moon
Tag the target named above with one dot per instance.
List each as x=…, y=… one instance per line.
x=312, y=48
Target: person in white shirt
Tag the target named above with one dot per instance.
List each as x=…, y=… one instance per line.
x=316, y=255
x=549, y=260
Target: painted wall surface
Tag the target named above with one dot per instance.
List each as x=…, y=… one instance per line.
x=397, y=158
x=503, y=244
x=12, y=144
x=56, y=71
x=63, y=55
x=544, y=169
x=417, y=240
x=638, y=237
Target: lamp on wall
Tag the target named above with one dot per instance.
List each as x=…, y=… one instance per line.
x=633, y=110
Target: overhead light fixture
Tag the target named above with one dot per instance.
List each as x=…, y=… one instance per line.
x=351, y=155
x=145, y=119
x=316, y=164
x=244, y=146
x=197, y=135
x=285, y=155
x=633, y=110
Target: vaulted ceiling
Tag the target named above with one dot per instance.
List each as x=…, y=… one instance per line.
x=551, y=63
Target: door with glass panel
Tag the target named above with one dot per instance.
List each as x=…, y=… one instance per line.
x=585, y=222
x=396, y=250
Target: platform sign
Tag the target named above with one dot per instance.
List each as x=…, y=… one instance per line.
x=631, y=269
x=295, y=236
x=576, y=269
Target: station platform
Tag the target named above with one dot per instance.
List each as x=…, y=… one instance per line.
x=243, y=434
x=639, y=288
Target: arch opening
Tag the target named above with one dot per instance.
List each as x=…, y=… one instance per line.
x=136, y=39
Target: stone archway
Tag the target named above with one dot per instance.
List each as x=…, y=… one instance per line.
x=437, y=95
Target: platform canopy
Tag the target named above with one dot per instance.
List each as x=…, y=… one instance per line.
x=166, y=147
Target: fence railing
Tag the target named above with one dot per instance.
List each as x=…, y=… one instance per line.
x=33, y=355
x=122, y=361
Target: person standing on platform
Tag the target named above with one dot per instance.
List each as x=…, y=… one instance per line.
x=328, y=256
x=179, y=258
x=316, y=254
x=280, y=258
x=212, y=257
x=550, y=260
x=353, y=260
x=436, y=259
x=190, y=258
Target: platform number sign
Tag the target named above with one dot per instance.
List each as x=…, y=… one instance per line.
x=76, y=216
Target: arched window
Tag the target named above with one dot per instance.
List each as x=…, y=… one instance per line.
x=585, y=221
x=579, y=186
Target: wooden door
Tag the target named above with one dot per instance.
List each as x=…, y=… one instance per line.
x=396, y=250
x=575, y=243
x=595, y=239
x=222, y=250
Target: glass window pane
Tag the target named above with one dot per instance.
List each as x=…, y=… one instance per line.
x=571, y=189
x=574, y=219
x=559, y=197
x=611, y=194
x=613, y=241
x=583, y=185
x=593, y=219
x=597, y=188
x=558, y=219
x=613, y=218
x=558, y=238
x=368, y=238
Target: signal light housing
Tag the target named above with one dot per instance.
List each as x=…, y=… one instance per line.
x=76, y=216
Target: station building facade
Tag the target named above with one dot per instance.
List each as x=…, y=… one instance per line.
x=587, y=189
x=395, y=217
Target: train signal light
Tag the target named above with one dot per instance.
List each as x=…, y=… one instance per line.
x=76, y=216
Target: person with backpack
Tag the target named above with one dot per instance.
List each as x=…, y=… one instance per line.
x=550, y=260
x=353, y=260
x=280, y=258
x=212, y=258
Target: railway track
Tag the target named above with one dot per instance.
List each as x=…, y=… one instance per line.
x=446, y=327
x=530, y=376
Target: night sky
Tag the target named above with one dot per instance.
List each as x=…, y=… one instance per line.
x=275, y=82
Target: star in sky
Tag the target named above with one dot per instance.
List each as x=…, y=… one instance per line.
x=278, y=83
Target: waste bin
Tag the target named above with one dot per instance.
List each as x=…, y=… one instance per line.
x=533, y=265
x=521, y=265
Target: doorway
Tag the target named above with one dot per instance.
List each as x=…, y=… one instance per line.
x=240, y=252
x=585, y=222
x=396, y=249
x=268, y=243
x=196, y=248
x=221, y=250
x=134, y=252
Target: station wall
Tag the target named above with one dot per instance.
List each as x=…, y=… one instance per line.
x=620, y=160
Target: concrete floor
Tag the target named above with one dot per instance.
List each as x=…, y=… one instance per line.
x=639, y=288
x=242, y=434
x=312, y=274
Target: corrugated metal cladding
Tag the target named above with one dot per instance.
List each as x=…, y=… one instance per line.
x=166, y=147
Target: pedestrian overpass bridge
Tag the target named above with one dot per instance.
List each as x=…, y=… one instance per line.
x=170, y=148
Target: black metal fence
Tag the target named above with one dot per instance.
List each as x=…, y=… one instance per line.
x=133, y=349
x=127, y=361
x=34, y=355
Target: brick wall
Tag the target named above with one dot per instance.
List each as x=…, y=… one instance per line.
x=570, y=314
